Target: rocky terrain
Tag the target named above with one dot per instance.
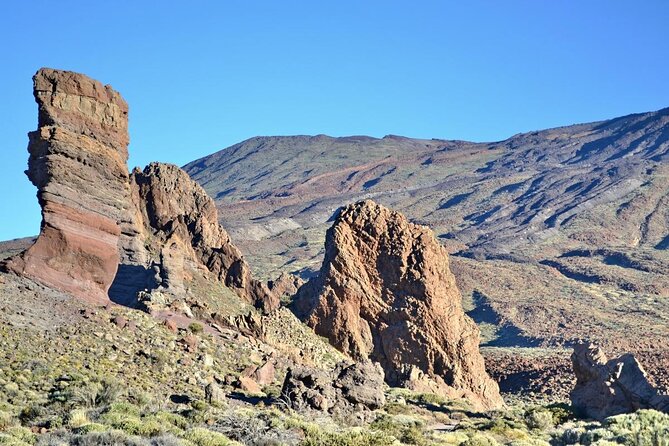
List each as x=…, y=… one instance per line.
x=555, y=235
x=132, y=319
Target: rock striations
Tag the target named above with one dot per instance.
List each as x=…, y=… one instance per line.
x=611, y=387
x=77, y=161
x=177, y=225
x=102, y=226
x=385, y=292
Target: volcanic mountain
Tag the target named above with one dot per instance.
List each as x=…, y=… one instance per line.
x=555, y=235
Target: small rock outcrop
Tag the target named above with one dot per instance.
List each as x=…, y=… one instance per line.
x=385, y=292
x=348, y=388
x=611, y=387
x=77, y=161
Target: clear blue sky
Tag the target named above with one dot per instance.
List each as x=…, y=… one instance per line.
x=202, y=75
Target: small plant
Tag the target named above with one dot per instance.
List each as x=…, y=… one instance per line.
x=196, y=328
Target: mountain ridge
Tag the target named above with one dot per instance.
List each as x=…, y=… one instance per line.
x=562, y=231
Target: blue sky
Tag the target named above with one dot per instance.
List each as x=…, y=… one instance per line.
x=202, y=75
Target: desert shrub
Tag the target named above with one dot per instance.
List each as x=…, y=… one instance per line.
x=108, y=438
x=90, y=427
x=77, y=418
x=258, y=428
x=406, y=429
x=429, y=399
x=477, y=439
x=539, y=419
x=95, y=394
x=561, y=413
x=22, y=433
x=8, y=440
x=132, y=424
x=171, y=419
x=110, y=391
x=196, y=328
x=645, y=427
x=203, y=437
x=166, y=440
x=6, y=420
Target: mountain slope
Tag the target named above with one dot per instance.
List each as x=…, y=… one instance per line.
x=562, y=233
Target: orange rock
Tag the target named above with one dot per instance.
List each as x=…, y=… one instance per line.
x=247, y=384
x=386, y=292
x=78, y=164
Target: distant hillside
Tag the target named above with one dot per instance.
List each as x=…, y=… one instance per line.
x=562, y=232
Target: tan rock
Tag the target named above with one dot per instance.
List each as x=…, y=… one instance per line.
x=247, y=384
x=385, y=292
x=77, y=162
x=179, y=221
x=610, y=387
x=265, y=374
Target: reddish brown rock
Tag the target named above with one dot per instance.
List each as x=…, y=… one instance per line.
x=77, y=162
x=285, y=285
x=178, y=237
x=265, y=374
x=610, y=387
x=171, y=325
x=247, y=384
x=385, y=292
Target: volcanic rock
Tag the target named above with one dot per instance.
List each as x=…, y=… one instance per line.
x=77, y=162
x=385, y=292
x=285, y=285
x=611, y=387
x=177, y=236
x=347, y=388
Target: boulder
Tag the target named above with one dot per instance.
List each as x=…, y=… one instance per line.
x=385, y=293
x=347, y=388
x=247, y=384
x=213, y=393
x=611, y=387
x=77, y=162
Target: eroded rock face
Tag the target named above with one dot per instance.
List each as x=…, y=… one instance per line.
x=177, y=235
x=103, y=228
x=611, y=387
x=385, y=292
x=349, y=387
x=77, y=161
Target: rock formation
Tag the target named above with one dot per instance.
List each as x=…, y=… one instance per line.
x=77, y=162
x=385, y=292
x=102, y=226
x=347, y=388
x=610, y=387
x=176, y=234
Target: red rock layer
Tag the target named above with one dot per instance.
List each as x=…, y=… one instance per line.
x=77, y=162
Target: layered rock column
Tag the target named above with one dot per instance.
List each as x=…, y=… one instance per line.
x=385, y=292
x=77, y=161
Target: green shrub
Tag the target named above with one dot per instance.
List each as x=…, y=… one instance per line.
x=77, y=418
x=196, y=328
x=480, y=440
x=203, y=437
x=539, y=419
x=6, y=420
